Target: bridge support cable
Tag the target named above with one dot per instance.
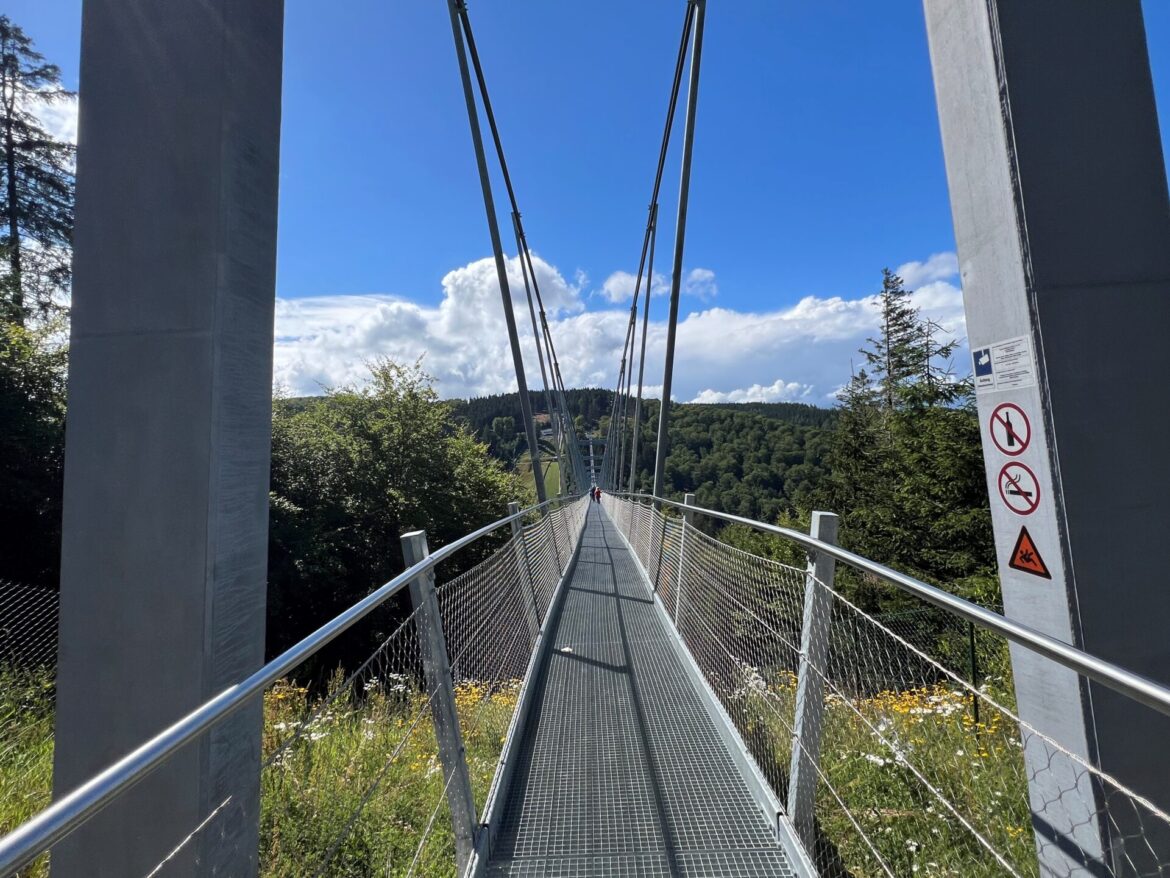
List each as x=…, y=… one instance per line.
x=616, y=460
x=536, y=335
x=621, y=398
x=625, y=387
x=523, y=251
x=648, y=267
x=615, y=434
x=636, y=427
x=698, y=11
x=458, y=12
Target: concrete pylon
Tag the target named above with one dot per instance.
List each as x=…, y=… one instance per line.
x=166, y=474
x=1058, y=192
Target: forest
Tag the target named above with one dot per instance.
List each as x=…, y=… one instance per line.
x=753, y=459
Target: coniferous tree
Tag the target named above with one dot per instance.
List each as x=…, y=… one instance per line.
x=893, y=357
x=908, y=365
x=36, y=211
x=906, y=468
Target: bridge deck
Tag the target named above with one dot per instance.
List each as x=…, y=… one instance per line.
x=622, y=771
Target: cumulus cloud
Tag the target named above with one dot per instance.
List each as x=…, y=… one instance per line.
x=723, y=354
x=326, y=341
x=700, y=282
x=778, y=391
x=939, y=266
x=619, y=286
x=57, y=117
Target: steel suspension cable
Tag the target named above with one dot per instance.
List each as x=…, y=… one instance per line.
x=536, y=335
x=525, y=254
x=614, y=426
x=637, y=428
x=458, y=12
x=647, y=247
x=680, y=227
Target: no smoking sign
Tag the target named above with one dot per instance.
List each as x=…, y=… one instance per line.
x=1011, y=431
x=1019, y=488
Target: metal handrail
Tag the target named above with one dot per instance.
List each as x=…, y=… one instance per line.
x=1141, y=689
x=42, y=831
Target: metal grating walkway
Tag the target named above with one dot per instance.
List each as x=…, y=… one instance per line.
x=622, y=771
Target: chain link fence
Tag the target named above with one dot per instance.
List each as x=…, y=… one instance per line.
x=906, y=724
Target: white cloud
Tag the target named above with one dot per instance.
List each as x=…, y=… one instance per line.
x=722, y=353
x=939, y=266
x=58, y=117
x=700, y=282
x=777, y=391
x=325, y=341
x=619, y=286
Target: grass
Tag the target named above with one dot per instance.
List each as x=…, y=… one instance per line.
x=26, y=744
x=977, y=768
x=383, y=742
x=366, y=770
x=26, y=748
x=367, y=764
x=930, y=738
x=552, y=474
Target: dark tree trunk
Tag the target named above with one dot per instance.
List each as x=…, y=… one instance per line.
x=13, y=225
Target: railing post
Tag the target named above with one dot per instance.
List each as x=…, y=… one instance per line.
x=552, y=516
x=526, y=569
x=810, y=683
x=688, y=500
x=658, y=556
x=437, y=670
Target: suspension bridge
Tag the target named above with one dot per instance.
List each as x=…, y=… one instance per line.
x=602, y=685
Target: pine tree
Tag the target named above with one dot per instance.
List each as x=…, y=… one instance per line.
x=906, y=469
x=36, y=213
x=911, y=368
x=895, y=356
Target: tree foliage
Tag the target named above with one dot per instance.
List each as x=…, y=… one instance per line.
x=32, y=447
x=905, y=466
x=757, y=459
x=351, y=472
x=735, y=461
x=36, y=212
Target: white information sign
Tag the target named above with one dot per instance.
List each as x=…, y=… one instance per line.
x=1004, y=365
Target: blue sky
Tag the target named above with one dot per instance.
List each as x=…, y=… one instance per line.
x=817, y=162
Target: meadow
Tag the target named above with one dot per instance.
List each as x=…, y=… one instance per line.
x=353, y=789
x=354, y=786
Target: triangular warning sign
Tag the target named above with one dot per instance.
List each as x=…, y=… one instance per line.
x=1025, y=556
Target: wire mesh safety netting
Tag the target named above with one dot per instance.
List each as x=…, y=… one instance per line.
x=351, y=779
x=28, y=662
x=28, y=627
x=923, y=765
